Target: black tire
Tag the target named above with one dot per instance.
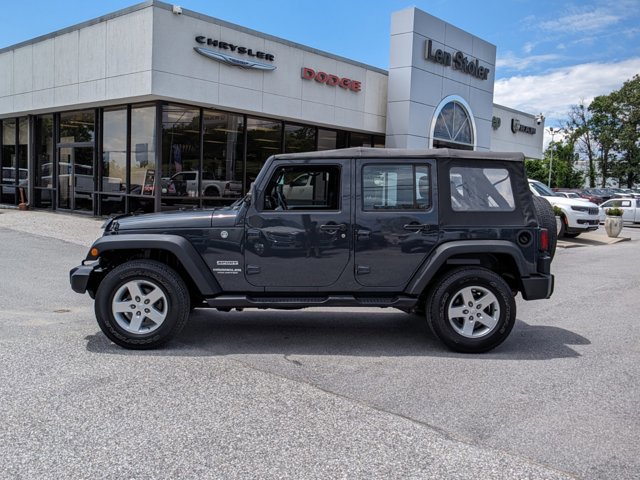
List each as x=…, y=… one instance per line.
x=547, y=219
x=163, y=295
x=471, y=334
x=212, y=192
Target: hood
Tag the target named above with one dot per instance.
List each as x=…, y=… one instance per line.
x=570, y=202
x=162, y=221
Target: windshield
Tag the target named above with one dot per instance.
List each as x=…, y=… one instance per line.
x=542, y=189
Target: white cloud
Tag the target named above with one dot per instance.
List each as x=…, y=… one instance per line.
x=581, y=22
x=528, y=47
x=554, y=92
x=511, y=61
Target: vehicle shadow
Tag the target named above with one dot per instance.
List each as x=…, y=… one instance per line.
x=388, y=333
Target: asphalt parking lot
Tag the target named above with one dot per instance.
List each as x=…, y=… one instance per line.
x=316, y=393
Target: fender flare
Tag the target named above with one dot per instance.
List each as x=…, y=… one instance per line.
x=183, y=250
x=444, y=252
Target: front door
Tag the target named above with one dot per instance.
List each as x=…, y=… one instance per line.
x=396, y=222
x=298, y=229
x=75, y=178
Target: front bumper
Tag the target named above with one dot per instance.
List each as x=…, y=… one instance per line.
x=80, y=276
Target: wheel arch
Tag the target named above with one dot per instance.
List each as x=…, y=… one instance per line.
x=172, y=250
x=501, y=257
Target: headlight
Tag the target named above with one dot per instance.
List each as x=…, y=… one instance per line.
x=580, y=209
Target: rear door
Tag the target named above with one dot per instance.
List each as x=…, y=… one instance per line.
x=298, y=236
x=396, y=220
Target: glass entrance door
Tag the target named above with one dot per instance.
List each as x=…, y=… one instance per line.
x=75, y=178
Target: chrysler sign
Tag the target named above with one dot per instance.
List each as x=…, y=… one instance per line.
x=221, y=54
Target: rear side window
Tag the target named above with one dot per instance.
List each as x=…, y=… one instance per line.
x=396, y=187
x=481, y=189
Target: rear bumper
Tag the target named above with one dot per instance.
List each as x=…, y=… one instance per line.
x=537, y=287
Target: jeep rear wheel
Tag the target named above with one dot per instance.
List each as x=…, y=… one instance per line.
x=471, y=310
x=142, y=304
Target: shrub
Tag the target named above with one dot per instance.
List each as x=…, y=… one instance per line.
x=614, y=212
x=557, y=211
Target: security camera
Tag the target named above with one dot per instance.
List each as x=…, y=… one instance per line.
x=177, y=10
x=539, y=119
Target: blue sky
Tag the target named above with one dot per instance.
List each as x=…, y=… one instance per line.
x=550, y=55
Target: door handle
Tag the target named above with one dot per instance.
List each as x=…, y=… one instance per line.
x=363, y=234
x=333, y=227
x=253, y=235
x=417, y=227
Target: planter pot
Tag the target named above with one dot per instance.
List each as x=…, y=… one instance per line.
x=613, y=226
x=558, y=225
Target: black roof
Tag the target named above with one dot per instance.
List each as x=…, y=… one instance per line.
x=361, y=152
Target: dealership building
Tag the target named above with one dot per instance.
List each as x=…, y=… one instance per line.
x=155, y=107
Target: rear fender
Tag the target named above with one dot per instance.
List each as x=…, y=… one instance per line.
x=445, y=253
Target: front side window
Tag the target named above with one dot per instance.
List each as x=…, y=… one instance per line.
x=304, y=188
x=481, y=189
x=396, y=187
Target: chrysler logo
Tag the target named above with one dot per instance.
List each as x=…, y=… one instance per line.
x=236, y=62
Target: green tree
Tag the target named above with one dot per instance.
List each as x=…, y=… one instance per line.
x=537, y=169
x=627, y=100
x=580, y=124
x=604, y=126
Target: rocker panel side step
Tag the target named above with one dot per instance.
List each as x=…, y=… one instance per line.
x=245, y=301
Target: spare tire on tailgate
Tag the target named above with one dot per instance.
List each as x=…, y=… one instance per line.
x=546, y=219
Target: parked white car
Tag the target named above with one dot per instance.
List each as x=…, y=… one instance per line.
x=630, y=209
x=578, y=216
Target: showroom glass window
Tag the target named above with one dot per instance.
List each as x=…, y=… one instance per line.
x=299, y=138
x=76, y=173
x=77, y=127
x=143, y=157
x=359, y=140
x=8, y=181
x=453, y=127
x=43, y=161
x=222, y=154
x=264, y=138
x=331, y=139
x=22, y=179
x=114, y=161
x=180, y=156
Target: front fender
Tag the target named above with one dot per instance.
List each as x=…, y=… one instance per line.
x=180, y=247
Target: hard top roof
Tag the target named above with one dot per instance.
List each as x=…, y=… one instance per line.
x=362, y=152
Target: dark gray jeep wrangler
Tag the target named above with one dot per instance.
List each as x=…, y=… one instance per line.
x=451, y=235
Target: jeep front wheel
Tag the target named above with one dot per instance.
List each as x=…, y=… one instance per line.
x=471, y=310
x=142, y=304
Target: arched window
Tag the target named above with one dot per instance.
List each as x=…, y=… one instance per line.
x=453, y=125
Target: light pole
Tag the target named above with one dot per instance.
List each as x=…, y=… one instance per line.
x=553, y=132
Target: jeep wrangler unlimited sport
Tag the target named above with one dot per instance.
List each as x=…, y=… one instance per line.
x=451, y=235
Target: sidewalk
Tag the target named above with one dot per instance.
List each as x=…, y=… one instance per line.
x=599, y=237
x=78, y=229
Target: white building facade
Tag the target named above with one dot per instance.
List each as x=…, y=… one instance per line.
x=154, y=107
